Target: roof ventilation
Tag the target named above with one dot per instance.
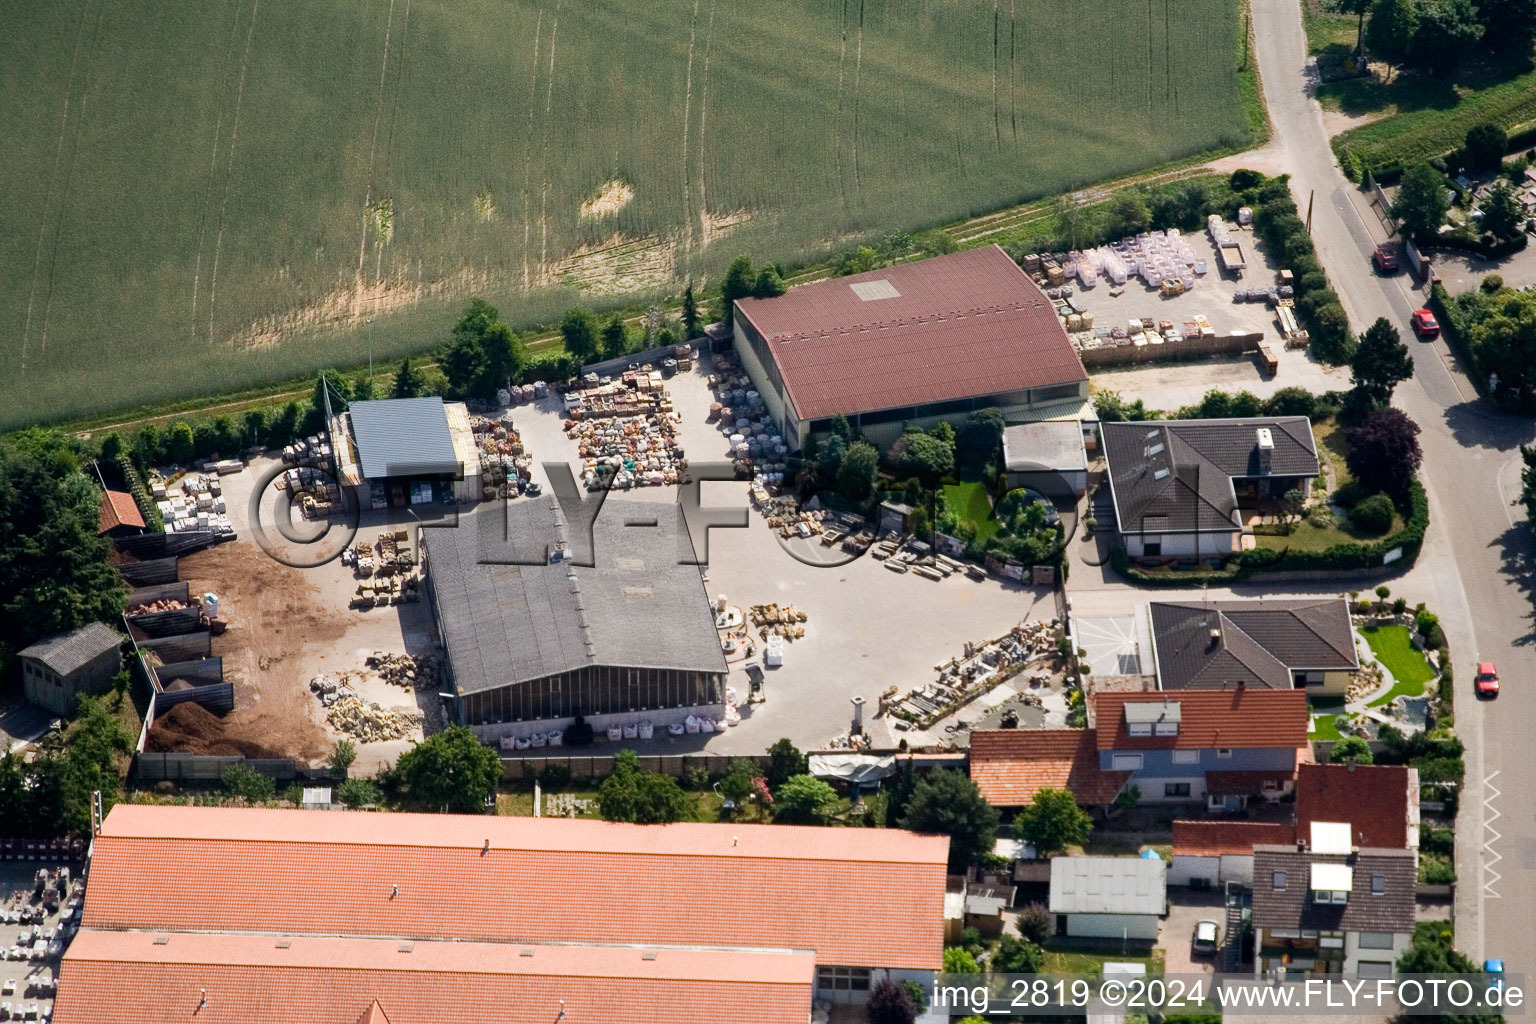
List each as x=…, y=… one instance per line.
x=162, y=940
x=284, y=943
x=525, y=952
x=405, y=947
x=1266, y=445
x=649, y=954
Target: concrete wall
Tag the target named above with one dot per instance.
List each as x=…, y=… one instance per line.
x=1112, y=926
x=1189, y=348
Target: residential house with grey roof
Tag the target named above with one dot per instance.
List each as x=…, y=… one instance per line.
x=535, y=639
x=1180, y=487
x=1267, y=644
x=1322, y=906
x=59, y=668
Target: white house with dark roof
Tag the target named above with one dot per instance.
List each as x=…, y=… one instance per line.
x=1180, y=486
x=1270, y=644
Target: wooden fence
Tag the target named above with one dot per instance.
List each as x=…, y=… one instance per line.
x=148, y=573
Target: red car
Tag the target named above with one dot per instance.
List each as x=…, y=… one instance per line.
x=1487, y=682
x=1424, y=324
x=1386, y=260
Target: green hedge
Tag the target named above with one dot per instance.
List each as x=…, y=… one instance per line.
x=1251, y=564
x=1453, y=327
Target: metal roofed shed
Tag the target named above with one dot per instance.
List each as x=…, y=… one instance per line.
x=919, y=342
x=1035, y=454
x=1110, y=897
x=59, y=668
x=403, y=437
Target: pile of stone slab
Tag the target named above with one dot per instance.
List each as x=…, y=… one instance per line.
x=404, y=670
x=370, y=722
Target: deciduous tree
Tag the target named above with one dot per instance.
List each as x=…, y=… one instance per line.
x=1052, y=822
x=1420, y=203
x=948, y=803
x=1485, y=147
x=450, y=771
x=690, y=313
x=859, y=470
x=1503, y=217
x=1384, y=452
x=579, y=331
x=804, y=800
x=737, y=284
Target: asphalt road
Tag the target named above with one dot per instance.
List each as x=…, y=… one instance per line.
x=1479, y=545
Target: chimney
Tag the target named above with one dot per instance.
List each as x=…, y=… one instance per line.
x=1215, y=638
x=1266, y=442
x=1349, y=764
x=1301, y=845
x=1242, y=684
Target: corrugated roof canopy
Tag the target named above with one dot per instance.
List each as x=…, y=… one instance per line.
x=399, y=437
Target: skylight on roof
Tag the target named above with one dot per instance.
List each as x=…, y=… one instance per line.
x=1155, y=449
x=1152, y=433
x=1161, y=474
x=871, y=291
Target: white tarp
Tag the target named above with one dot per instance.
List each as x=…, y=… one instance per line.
x=852, y=767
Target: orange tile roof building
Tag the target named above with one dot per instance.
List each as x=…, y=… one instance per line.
x=917, y=342
x=574, y=909
x=1010, y=766
x=1219, y=746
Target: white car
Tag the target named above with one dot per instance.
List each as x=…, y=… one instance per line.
x=1206, y=934
x=9, y=989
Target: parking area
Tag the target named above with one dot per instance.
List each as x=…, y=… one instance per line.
x=1187, y=907
x=1170, y=385
x=1116, y=645
x=40, y=911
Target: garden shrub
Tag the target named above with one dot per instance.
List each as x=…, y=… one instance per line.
x=1373, y=515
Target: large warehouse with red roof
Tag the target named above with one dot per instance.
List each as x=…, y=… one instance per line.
x=228, y=916
x=919, y=342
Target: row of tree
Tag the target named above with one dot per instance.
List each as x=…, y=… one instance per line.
x=1437, y=35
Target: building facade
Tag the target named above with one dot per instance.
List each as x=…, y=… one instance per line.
x=1220, y=747
x=1331, y=913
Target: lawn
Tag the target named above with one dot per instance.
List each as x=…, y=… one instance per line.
x=1323, y=711
x=245, y=193
x=1410, y=671
x=1075, y=960
x=970, y=502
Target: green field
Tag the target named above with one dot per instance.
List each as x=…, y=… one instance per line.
x=204, y=200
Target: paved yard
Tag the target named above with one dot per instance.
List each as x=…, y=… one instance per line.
x=1170, y=385
x=1185, y=907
